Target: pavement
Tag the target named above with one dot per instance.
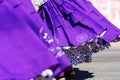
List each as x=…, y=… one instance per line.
x=104, y=66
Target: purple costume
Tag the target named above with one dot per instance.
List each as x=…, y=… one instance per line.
x=23, y=55
x=93, y=13
x=67, y=33
x=78, y=23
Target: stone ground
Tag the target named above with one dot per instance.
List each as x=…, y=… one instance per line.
x=105, y=66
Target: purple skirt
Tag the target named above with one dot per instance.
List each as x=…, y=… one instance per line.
x=67, y=34
x=75, y=14
x=49, y=41
x=111, y=30
x=23, y=53
x=78, y=23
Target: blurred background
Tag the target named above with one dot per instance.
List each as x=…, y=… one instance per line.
x=110, y=9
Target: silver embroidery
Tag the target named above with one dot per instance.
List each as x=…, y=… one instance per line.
x=82, y=37
x=60, y=52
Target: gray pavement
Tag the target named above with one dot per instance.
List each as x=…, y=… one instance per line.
x=105, y=66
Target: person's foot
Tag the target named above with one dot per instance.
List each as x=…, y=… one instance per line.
x=69, y=72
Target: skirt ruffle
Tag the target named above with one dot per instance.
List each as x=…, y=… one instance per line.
x=92, y=12
x=83, y=53
x=79, y=25
x=61, y=28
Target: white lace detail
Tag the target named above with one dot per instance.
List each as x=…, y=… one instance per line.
x=47, y=73
x=39, y=2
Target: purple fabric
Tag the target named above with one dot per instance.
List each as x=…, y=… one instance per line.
x=66, y=32
x=62, y=66
x=76, y=14
x=22, y=54
x=93, y=13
